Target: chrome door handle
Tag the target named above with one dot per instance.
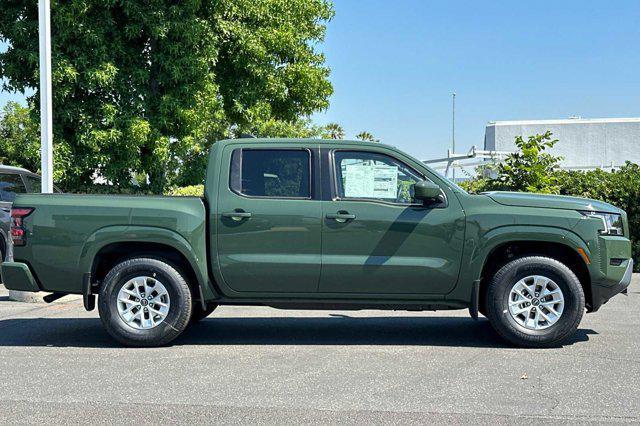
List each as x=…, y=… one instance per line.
x=237, y=216
x=341, y=217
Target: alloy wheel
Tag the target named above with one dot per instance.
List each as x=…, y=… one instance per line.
x=143, y=302
x=536, y=302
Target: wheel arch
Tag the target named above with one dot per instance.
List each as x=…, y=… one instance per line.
x=505, y=252
x=112, y=245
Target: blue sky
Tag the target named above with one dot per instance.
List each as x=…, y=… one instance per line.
x=395, y=64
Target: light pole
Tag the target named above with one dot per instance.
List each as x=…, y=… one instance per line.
x=46, y=120
x=453, y=131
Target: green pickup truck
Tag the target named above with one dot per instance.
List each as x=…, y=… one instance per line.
x=313, y=224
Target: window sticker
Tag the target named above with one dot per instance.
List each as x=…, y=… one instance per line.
x=368, y=180
x=385, y=183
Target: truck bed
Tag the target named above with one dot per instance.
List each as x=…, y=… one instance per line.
x=65, y=231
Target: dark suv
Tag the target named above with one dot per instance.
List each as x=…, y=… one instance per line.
x=13, y=180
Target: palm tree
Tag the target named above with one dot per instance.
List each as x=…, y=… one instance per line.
x=333, y=131
x=366, y=136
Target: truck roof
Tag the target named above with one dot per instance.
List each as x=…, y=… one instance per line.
x=307, y=141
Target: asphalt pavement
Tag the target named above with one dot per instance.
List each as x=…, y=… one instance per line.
x=268, y=366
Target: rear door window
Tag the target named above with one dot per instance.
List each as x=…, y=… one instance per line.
x=10, y=185
x=271, y=173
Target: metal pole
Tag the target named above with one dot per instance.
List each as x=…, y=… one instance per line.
x=453, y=132
x=46, y=120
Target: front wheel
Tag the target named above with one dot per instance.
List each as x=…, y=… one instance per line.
x=535, y=302
x=145, y=302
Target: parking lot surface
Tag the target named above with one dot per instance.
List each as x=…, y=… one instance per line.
x=261, y=365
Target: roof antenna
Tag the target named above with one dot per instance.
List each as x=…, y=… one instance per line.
x=247, y=136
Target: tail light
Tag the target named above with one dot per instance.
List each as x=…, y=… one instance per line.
x=18, y=233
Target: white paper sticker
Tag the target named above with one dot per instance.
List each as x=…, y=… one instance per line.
x=358, y=181
x=386, y=182
x=364, y=180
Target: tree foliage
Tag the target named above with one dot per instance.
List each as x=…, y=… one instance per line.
x=19, y=137
x=367, y=137
x=618, y=187
x=333, y=131
x=186, y=191
x=529, y=169
x=145, y=87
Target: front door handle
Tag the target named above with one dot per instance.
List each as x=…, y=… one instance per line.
x=237, y=215
x=341, y=216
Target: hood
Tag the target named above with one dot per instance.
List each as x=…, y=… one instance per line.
x=525, y=199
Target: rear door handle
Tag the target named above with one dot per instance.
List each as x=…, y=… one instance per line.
x=240, y=215
x=341, y=216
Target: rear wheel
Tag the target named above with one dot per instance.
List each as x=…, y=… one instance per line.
x=145, y=302
x=535, y=302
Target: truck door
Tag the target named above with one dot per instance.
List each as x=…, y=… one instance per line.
x=376, y=240
x=269, y=219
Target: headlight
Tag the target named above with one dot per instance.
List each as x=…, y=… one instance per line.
x=611, y=222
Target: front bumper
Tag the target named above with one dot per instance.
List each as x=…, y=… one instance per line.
x=602, y=293
x=18, y=276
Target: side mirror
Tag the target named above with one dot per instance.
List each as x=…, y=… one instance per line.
x=426, y=190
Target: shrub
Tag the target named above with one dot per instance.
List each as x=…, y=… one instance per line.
x=620, y=188
x=529, y=169
x=187, y=191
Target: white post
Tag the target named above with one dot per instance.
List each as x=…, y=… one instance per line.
x=46, y=120
x=453, y=132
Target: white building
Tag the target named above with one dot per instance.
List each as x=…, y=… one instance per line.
x=584, y=143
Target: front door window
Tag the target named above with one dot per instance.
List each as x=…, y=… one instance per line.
x=373, y=176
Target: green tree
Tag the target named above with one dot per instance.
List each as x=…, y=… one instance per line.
x=146, y=86
x=333, y=131
x=529, y=169
x=366, y=136
x=19, y=138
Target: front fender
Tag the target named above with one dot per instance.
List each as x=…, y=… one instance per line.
x=479, y=247
x=195, y=252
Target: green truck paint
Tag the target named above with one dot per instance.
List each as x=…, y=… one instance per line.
x=289, y=253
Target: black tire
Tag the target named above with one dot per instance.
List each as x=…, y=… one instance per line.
x=498, y=298
x=180, y=305
x=198, y=314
